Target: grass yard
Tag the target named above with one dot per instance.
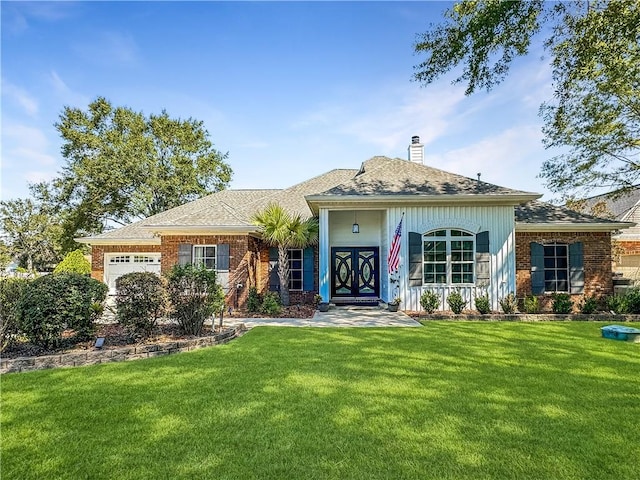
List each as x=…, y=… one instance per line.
x=452, y=400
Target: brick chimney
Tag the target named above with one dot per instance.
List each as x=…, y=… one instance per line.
x=416, y=150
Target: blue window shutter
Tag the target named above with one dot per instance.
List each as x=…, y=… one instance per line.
x=415, y=259
x=483, y=258
x=222, y=256
x=274, y=280
x=537, y=268
x=184, y=253
x=307, y=273
x=576, y=268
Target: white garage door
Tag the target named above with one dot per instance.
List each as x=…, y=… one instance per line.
x=122, y=263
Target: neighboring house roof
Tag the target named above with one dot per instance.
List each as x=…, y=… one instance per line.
x=624, y=207
x=620, y=205
x=380, y=179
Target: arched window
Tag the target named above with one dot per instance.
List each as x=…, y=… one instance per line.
x=448, y=257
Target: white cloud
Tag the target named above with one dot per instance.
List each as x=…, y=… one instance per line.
x=65, y=93
x=510, y=158
x=36, y=176
x=110, y=48
x=389, y=122
x=20, y=97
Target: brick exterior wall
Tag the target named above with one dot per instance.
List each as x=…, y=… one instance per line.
x=242, y=260
x=597, y=262
x=248, y=263
x=263, y=276
x=628, y=247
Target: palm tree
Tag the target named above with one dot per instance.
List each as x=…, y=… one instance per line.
x=282, y=230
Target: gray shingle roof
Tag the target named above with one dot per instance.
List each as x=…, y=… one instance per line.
x=378, y=177
x=542, y=216
x=619, y=205
x=383, y=176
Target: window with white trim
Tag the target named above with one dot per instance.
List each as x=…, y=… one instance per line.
x=448, y=257
x=205, y=255
x=296, y=270
x=556, y=267
x=120, y=259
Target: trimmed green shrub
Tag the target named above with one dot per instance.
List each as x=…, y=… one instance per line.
x=74, y=262
x=509, y=304
x=456, y=302
x=588, y=305
x=616, y=304
x=531, y=304
x=254, y=301
x=140, y=301
x=430, y=301
x=632, y=301
x=483, y=305
x=271, y=304
x=51, y=303
x=11, y=290
x=562, y=303
x=195, y=296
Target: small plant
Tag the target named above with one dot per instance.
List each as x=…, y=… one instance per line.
x=254, y=301
x=74, y=262
x=632, y=301
x=317, y=299
x=11, y=290
x=588, y=305
x=483, y=305
x=562, y=303
x=617, y=304
x=531, y=304
x=509, y=304
x=456, y=302
x=396, y=301
x=140, y=301
x=271, y=304
x=430, y=301
x=195, y=296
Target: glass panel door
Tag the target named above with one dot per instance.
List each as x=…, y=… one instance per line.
x=354, y=271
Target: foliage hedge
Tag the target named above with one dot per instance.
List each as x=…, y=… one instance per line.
x=74, y=262
x=11, y=291
x=54, y=302
x=140, y=301
x=195, y=296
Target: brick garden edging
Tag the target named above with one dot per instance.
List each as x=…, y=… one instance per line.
x=91, y=357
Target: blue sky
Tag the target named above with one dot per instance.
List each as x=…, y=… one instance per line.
x=289, y=89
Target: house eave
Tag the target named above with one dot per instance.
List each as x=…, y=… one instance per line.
x=201, y=229
x=319, y=201
x=571, y=227
x=118, y=241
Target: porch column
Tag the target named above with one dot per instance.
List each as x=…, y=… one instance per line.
x=324, y=254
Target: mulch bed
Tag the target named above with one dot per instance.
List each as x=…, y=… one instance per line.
x=116, y=335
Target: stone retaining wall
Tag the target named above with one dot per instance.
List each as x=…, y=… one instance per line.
x=90, y=357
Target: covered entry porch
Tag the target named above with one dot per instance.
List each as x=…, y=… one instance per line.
x=352, y=256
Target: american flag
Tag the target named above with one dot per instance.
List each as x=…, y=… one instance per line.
x=394, y=251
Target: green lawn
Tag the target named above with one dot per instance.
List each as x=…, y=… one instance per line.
x=450, y=400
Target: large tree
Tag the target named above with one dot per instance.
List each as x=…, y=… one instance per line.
x=32, y=233
x=594, y=46
x=122, y=166
x=283, y=230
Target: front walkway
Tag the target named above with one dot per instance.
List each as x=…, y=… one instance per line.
x=343, y=316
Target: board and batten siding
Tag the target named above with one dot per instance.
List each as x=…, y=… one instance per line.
x=497, y=220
